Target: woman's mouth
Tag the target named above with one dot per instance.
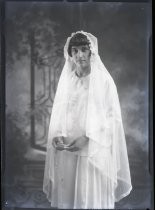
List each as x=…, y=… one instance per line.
x=80, y=61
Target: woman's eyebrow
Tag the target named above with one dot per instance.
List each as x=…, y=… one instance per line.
x=76, y=47
x=85, y=46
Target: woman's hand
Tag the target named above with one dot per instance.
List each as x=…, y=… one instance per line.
x=77, y=144
x=58, y=143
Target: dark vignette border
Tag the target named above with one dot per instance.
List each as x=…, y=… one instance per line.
x=2, y=92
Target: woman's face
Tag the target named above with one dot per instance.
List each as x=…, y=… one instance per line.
x=81, y=55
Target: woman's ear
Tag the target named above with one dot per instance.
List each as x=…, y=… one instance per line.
x=71, y=59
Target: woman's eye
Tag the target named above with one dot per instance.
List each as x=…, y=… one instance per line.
x=84, y=49
x=74, y=51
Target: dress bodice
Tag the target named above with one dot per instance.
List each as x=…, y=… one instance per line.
x=77, y=106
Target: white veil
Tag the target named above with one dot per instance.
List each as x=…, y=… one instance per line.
x=104, y=126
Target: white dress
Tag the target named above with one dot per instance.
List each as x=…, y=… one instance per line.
x=78, y=184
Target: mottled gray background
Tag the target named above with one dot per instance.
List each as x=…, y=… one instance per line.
x=123, y=31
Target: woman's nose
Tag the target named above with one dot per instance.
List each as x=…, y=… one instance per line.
x=80, y=53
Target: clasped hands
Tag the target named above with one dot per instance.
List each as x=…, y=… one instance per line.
x=60, y=143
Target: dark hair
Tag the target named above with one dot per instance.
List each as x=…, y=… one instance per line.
x=77, y=40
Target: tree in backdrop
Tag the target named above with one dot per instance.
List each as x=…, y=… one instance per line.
x=33, y=35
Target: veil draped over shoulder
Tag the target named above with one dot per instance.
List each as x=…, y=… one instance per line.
x=104, y=126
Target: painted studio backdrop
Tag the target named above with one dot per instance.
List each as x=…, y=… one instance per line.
x=35, y=37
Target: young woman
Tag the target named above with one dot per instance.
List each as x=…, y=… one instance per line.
x=86, y=162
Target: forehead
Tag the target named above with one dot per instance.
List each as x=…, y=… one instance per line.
x=80, y=46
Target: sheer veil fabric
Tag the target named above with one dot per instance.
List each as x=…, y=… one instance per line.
x=104, y=127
